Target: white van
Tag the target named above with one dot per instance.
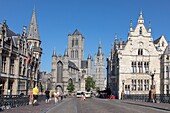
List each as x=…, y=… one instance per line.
x=78, y=94
x=88, y=94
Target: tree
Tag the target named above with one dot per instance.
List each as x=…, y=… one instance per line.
x=90, y=83
x=70, y=87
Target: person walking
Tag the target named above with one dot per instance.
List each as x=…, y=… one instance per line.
x=35, y=95
x=47, y=95
x=83, y=97
x=56, y=96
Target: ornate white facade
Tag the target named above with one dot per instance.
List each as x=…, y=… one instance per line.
x=132, y=62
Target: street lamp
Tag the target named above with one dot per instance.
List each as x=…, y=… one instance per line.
x=152, y=77
x=123, y=81
x=122, y=94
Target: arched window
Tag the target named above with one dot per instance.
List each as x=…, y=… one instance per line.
x=72, y=42
x=70, y=81
x=76, y=54
x=140, y=51
x=76, y=42
x=72, y=54
x=167, y=73
x=59, y=72
x=79, y=84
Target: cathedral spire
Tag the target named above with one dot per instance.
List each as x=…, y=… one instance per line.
x=131, y=29
x=33, y=27
x=54, y=53
x=99, y=49
x=149, y=29
x=141, y=19
x=66, y=52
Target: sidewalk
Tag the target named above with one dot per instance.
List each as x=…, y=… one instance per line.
x=41, y=108
x=162, y=106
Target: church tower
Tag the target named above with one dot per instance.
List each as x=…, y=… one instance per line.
x=99, y=72
x=34, y=43
x=76, y=47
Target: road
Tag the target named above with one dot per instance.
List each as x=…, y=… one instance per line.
x=96, y=105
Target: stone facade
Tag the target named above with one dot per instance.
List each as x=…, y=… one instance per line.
x=165, y=73
x=71, y=67
x=20, y=57
x=131, y=63
x=99, y=69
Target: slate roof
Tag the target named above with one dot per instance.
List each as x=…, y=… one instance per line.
x=157, y=40
x=84, y=64
x=76, y=32
x=167, y=50
x=73, y=65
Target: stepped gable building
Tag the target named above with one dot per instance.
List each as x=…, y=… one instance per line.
x=131, y=63
x=71, y=67
x=19, y=58
x=99, y=69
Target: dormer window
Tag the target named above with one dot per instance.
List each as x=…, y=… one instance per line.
x=140, y=30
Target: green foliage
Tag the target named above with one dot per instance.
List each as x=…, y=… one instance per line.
x=70, y=87
x=90, y=83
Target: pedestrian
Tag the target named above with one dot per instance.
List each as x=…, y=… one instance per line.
x=35, y=95
x=83, y=97
x=47, y=95
x=56, y=96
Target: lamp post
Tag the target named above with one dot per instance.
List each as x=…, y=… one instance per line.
x=152, y=92
x=122, y=94
x=152, y=78
x=123, y=82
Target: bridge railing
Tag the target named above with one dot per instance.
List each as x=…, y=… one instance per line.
x=160, y=98
x=10, y=101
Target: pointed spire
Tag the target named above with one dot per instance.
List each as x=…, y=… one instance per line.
x=54, y=53
x=33, y=27
x=149, y=29
x=24, y=31
x=99, y=49
x=131, y=29
x=140, y=19
x=89, y=56
x=66, y=52
x=116, y=39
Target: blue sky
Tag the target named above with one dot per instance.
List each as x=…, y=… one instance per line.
x=97, y=20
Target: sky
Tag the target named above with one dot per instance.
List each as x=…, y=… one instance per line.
x=97, y=20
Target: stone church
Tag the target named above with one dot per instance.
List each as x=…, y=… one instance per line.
x=132, y=63
x=99, y=69
x=71, y=67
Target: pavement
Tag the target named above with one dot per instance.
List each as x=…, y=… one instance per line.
x=42, y=107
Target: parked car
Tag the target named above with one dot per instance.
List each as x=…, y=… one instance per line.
x=111, y=97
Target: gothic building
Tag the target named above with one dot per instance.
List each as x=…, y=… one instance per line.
x=165, y=73
x=71, y=67
x=99, y=69
x=133, y=62
x=19, y=58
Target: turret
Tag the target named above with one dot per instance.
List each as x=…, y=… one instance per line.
x=140, y=19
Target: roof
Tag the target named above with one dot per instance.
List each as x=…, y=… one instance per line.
x=167, y=50
x=76, y=32
x=72, y=64
x=10, y=33
x=157, y=40
x=84, y=64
